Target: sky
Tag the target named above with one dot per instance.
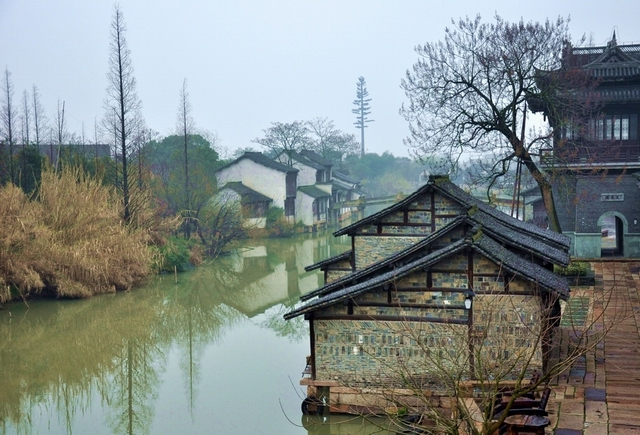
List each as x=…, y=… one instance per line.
x=249, y=63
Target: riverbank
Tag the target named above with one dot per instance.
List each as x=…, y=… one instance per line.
x=69, y=241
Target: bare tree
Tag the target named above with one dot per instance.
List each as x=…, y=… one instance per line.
x=122, y=104
x=469, y=93
x=60, y=134
x=468, y=379
x=39, y=118
x=220, y=223
x=185, y=129
x=8, y=120
x=283, y=138
x=26, y=119
x=362, y=109
x=330, y=142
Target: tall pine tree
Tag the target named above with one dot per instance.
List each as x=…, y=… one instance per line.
x=362, y=109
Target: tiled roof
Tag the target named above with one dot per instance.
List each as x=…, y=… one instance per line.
x=560, y=240
x=547, y=281
x=475, y=218
x=314, y=156
x=247, y=195
x=519, y=239
x=387, y=262
x=379, y=280
x=262, y=160
x=304, y=160
x=346, y=255
x=445, y=187
x=344, y=178
x=313, y=191
x=337, y=183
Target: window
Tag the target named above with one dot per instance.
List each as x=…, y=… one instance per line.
x=289, y=206
x=625, y=129
x=614, y=127
x=608, y=128
x=291, y=184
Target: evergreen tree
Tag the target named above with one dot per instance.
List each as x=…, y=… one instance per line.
x=362, y=109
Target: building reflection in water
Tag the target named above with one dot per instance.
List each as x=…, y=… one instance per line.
x=66, y=366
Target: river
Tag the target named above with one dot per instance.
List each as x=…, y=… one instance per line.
x=209, y=354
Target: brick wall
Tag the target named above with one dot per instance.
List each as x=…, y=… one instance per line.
x=580, y=203
x=357, y=353
x=504, y=332
x=400, y=229
x=337, y=270
x=372, y=249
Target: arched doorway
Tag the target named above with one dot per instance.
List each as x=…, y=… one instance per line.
x=612, y=227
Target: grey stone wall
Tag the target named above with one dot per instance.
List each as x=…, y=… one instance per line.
x=369, y=352
x=357, y=353
x=371, y=249
x=362, y=353
x=581, y=200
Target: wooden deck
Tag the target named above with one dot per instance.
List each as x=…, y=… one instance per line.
x=600, y=394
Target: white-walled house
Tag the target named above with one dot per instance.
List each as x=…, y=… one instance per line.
x=266, y=176
x=253, y=204
x=300, y=183
x=345, y=191
x=313, y=205
x=310, y=172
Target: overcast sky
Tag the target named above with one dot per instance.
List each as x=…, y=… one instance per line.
x=250, y=63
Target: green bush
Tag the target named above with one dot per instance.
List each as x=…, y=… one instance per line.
x=575, y=268
x=173, y=255
x=278, y=225
x=273, y=215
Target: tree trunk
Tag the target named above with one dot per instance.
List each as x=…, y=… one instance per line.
x=545, y=190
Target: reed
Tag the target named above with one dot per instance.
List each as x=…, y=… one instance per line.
x=69, y=240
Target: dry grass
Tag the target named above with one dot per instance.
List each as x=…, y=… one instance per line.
x=69, y=241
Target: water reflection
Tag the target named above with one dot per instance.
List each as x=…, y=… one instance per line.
x=111, y=364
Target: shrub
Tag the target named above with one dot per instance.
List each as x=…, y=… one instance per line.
x=174, y=255
x=273, y=215
x=279, y=226
x=575, y=268
x=220, y=224
x=69, y=241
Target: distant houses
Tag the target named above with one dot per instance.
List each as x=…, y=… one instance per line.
x=438, y=281
x=303, y=184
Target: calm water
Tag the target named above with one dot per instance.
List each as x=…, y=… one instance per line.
x=208, y=355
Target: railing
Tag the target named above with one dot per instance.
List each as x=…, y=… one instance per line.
x=592, y=153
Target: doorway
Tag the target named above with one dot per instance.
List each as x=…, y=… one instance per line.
x=612, y=232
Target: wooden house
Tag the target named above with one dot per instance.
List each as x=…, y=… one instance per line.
x=438, y=279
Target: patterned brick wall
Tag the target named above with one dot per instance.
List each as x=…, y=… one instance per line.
x=507, y=330
x=505, y=327
x=371, y=352
x=375, y=248
x=403, y=228
x=357, y=353
x=338, y=270
x=333, y=275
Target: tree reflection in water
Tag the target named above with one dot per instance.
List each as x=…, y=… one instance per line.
x=71, y=366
